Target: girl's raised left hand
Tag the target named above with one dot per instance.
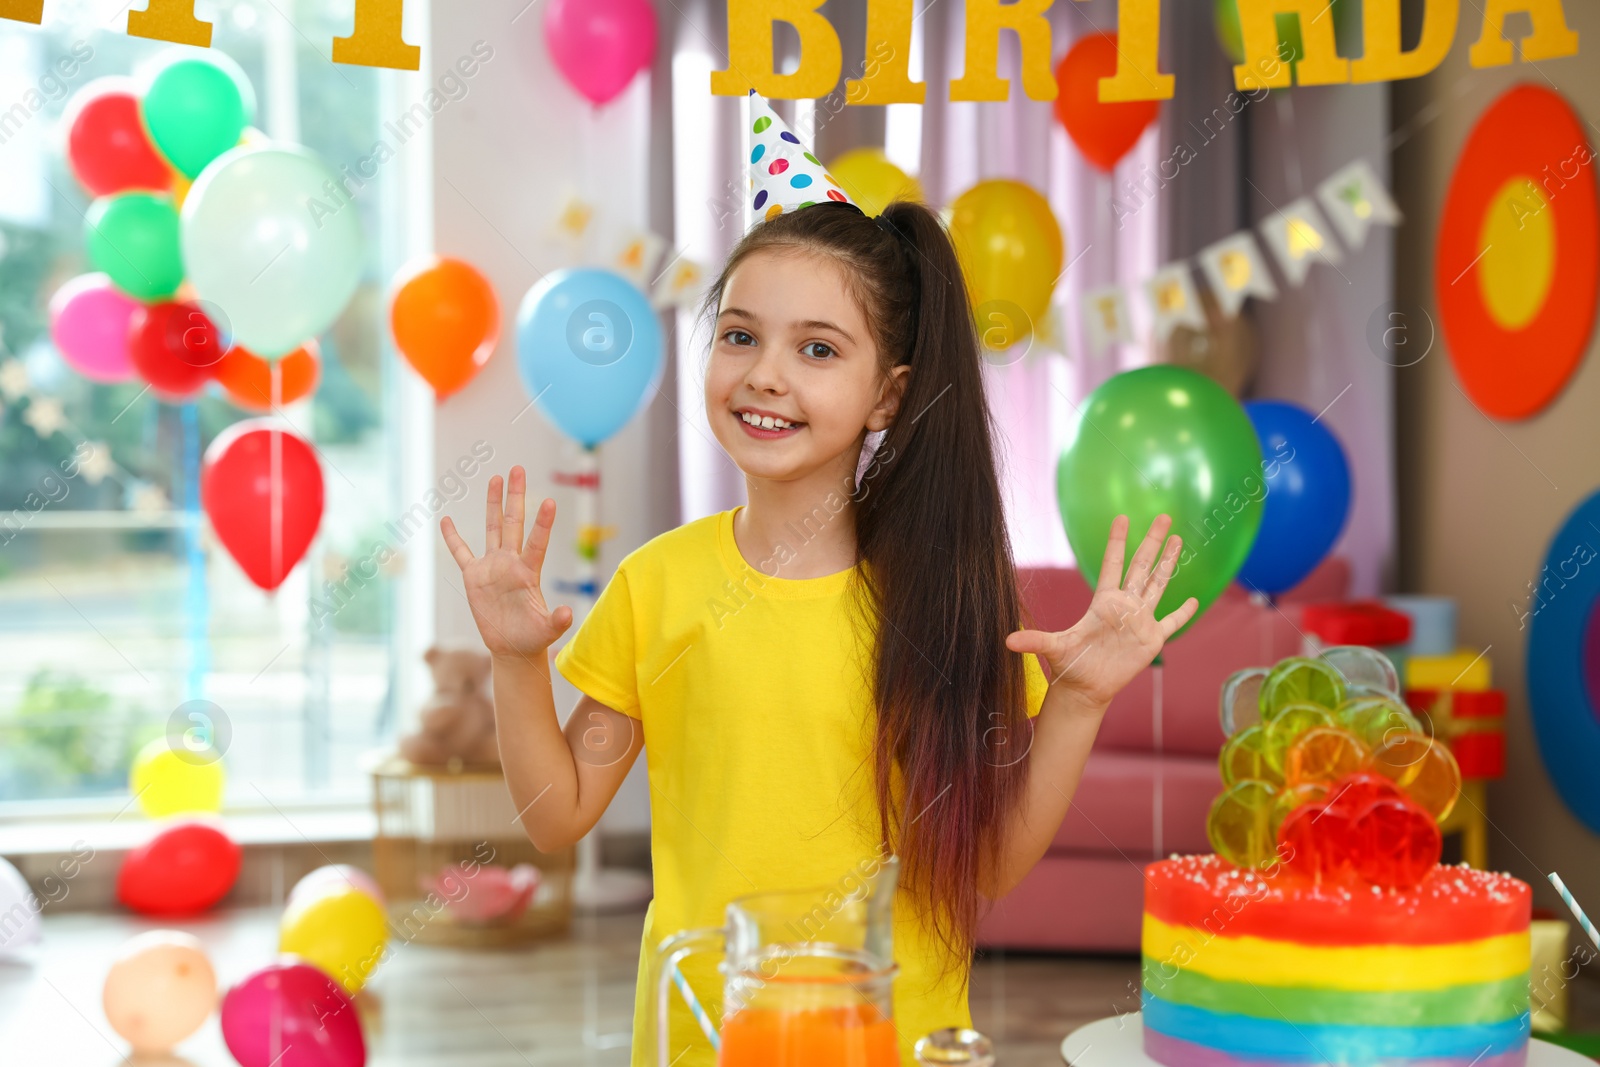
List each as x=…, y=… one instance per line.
x=1119, y=635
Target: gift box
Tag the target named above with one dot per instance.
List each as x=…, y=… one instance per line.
x=1471, y=722
x=1463, y=669
x=1356, y=622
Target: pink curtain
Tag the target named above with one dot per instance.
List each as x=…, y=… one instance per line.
x=949, y=146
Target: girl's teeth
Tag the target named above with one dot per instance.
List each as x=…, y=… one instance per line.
x=766, y=422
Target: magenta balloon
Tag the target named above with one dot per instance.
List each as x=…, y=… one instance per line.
x=89, y=324
x=599, y=45
x=290, y=1014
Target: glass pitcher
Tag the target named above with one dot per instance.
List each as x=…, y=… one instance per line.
x=808, y=977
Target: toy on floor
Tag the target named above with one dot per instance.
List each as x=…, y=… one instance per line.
x=1325, y=930
x=457, y=722
x=485, y=894
x=160, y=988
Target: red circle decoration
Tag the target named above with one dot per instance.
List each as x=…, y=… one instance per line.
x=237, y=491
x=183, y=870
x=1529, y=133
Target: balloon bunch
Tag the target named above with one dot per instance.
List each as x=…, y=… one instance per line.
x=213, y=263
x=189, y=863
x=1328, y=772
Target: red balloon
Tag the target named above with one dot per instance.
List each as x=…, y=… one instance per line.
x=107, y=146
x=1103, y=132
x=185, y=869
x=174, y=347
x=237, y=491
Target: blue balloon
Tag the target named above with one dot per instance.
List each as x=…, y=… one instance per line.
x=589, y=349
x=1308, y=496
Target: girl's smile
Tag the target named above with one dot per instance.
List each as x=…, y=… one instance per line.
x=765, y=426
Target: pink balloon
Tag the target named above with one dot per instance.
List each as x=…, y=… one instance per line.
x=333, y=877
x=599, y=45
x=89, y=322
x=290, y=1014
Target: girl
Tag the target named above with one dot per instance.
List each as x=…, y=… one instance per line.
x=834, y=671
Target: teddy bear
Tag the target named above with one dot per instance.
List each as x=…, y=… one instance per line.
x=457, y=722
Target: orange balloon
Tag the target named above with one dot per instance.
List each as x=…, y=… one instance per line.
x=247, y=378
x=446, y=321
x=1104, y=133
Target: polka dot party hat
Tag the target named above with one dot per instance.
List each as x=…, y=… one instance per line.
x=784, y=176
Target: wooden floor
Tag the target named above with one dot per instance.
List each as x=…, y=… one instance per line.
x=566, y=1003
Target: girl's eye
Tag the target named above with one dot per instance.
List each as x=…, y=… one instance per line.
x=738, y=337
x=825, y=352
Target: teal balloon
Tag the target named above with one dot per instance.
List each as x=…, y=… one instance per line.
x=194, y=112
x=267, y=243
x=1164, y=440
x=589, y=351
x=133, y=238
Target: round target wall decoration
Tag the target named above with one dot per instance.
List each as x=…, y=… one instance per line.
x=1563, y=661
x=1518, y=256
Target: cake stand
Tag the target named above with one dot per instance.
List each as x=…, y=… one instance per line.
x=1119, y=1042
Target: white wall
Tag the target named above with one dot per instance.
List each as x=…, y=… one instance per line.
x=504, y=158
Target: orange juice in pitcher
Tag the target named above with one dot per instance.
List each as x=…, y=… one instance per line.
x=809, y=978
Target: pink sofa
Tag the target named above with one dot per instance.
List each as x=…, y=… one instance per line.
x=1087, y=893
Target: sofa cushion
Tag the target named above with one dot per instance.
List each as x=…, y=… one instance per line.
x=1113, y=810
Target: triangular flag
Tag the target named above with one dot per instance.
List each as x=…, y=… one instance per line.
x=635, y=256
x=1298, y=236
x=1105, y=317
x=1236, y=269
x=784, y=175
x=1174, y=301
x=1354, y=199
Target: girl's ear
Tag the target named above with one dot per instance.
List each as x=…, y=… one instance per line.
x=889, y=397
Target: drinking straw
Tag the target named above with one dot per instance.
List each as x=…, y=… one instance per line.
x=1583, y=920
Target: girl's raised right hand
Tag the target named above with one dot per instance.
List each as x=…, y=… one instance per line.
x=503, y=583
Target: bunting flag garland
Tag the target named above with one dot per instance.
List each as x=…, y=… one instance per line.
x=1105, y=317
x=636, y=255
x=1174, y=301
x=1354, y=199
x=1298, y=237
x=1236, y=270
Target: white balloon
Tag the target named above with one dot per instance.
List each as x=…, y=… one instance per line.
x=271, y=241
x=19, y=911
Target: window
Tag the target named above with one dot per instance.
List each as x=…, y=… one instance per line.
x=116, y=604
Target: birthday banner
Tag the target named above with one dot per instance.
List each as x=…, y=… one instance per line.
x=375, y=41
x=1350, y=202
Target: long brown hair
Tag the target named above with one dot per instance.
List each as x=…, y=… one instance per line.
x=940, y=585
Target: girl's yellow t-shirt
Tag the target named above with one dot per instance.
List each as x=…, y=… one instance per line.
x=755, y=700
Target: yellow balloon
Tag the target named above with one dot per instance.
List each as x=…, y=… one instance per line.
x=180, y=188
x=342, y=932
x=169, y=782
x=1011, y=250
x=872, y=181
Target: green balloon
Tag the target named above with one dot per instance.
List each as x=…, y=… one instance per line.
x=194, y=112
x=133, y=237
x=1164, y=440
x=1226, y=13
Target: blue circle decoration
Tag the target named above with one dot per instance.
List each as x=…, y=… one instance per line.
x=761, y=198
x=800, y=181
x=757, y=152
x=791, y=138
x=1307, y=487
x=1565, y=720
x=589, y=351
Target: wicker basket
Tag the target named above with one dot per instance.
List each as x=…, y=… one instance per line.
x=432, y=817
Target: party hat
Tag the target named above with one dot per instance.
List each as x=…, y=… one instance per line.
x=783, y=175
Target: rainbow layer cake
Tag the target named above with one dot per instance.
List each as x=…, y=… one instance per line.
x=1325, y=930
x=1241, y=967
